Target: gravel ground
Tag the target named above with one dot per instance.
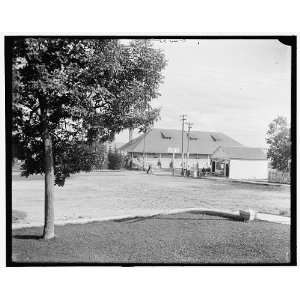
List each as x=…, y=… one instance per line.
x=180, y=238
x=113, y=194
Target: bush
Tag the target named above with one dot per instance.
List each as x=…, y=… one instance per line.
x=114, y=160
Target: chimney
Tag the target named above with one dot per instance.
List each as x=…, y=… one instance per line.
x=130, y=134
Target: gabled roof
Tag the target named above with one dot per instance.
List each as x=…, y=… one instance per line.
x=165, y=140
x=246, y=153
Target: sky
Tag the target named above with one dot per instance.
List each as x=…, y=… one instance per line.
x=236, y=87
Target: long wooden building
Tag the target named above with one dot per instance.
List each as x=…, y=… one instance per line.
x=161, y=147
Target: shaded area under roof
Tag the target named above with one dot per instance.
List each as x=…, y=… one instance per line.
x=164, y=140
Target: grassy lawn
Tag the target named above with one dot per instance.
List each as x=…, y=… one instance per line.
x=111, y=194
x=180, y=238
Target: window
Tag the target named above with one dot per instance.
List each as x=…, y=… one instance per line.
x=214, y=138
x=192, y=138
x=165, y=136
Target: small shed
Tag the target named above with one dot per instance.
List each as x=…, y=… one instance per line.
x=240, y=162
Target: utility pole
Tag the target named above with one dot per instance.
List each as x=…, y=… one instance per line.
x=130, y=134
x=183, y=118
x=189, y=124
x=144, y=146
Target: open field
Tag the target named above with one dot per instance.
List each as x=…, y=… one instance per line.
x=179, y=238
x=112, y=194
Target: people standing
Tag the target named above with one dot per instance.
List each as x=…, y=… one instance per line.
x=149, y=170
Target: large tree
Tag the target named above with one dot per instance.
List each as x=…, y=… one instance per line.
x=279, y=141
x=69, y=93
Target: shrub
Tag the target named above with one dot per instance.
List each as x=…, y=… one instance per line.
x=114, y=160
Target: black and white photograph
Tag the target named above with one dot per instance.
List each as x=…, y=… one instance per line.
x=150, y=150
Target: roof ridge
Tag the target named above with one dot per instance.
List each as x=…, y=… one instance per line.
x=134, y=142
x=242, y=146
x=156, y=143
x=202, y=131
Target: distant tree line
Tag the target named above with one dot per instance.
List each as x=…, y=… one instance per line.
x=279, y=142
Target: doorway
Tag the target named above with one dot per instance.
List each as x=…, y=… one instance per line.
x=227, y=170
x=213, y=166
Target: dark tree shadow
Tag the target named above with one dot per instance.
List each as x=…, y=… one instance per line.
x=219, y=217
x=27, y=237
x=134, y=219
x=194, y=219
x=218, y=214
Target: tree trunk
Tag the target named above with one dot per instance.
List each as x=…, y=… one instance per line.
x=49, y=184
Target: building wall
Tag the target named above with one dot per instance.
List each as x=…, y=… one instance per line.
x=166, y=158
x=165, y=162
x=248, y=169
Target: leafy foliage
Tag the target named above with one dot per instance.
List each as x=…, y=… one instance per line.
x=279, y=141
x=114, y=160
x=81, y=91
x=99, y=149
